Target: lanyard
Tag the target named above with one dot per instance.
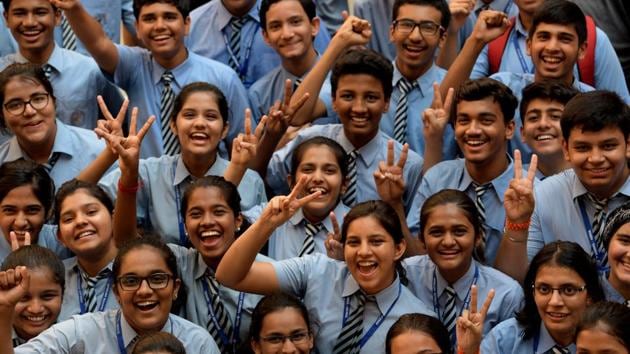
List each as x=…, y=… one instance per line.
x=183, y=239
x=119, y=336
x=242, y=67
x=237, y=322
x=376, y=324
x=507, y=8
x=598, y=255
x=436, y=303
x=82, y=304
x=536, y=340
x=519, y=53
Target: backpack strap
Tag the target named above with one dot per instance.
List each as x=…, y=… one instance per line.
x=586, y=65
x=496, y=48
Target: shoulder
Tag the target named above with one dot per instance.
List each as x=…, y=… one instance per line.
x=419, y=264
x=496, y=279
x=448, y=167
x=203, y=11
x=560, y=183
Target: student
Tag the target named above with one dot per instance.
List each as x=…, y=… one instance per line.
x=26, y=198
x=280, y=323
x=7, y=43
x=229, y=32
x=560, y=284
x=334, y=292
x=152, y=77
x=76, y=78
x=160, y=342
x=146, y=284
x=451, y=232
x=425, y=334
x=604, y=329
x=29, y=111
x=39, y=308
x=324, y=161
x=483, y=125
x=616, y=240
x=541, y=109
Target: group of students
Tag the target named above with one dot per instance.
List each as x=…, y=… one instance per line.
x=404, y=215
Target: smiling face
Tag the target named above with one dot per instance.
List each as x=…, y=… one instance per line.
x=32, y=24
x=41, y=305
x=597, y=341
x=289, y=31
x=541, y=129
x=414, y=342
x=619, y=258
x=371, y=254
x=283, y=322
x=145, y=309
x=21, y=212
x=162, y=28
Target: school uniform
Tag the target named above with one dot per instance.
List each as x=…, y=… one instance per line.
x=558, y=213
x=428, y=285
x=610, y=292
x=76, y=290
x=47, y=238
x=507, y=337
x=109, y=332
x=16, y=339
x=329, y=11
x=379, y=14
x=210, y=33
x=369, y=156
x=140, y=75
x=419, y=98
x=326, y=285
x=506, y=6
x=163, y=182
x=74, y=149
x=288, y=239
x=7, y=43
x=454, y=175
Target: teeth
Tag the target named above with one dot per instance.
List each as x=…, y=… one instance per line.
x=210, y=234
x=551, y=60
x=360, y=119
x=85, y=234
x=366, y=264
x=317, y=189
x=199, y=136
x=35, y=318
x=474, y=142
x=159, y=38
x=544, y=137
x=146, y=303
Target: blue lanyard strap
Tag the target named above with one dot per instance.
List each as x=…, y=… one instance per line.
x=436, y=302
x=519, y=53
x=101, y=307
x=237, y=322
x=119, y=337
x=242, y=66
x=183, y=239
x=507, y=8
x=598, y=254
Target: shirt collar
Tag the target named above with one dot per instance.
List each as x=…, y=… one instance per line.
x=340, y=210
x=520, y=29
x=546, y=342
x=180, y=73
x=223, y=16
x=368, y=152
x=425, y=80
x=201, y=268
x=384, y=299
x=182, y=173
x=461, y=286
x=129, y=334
x=56, y=60
x=578, y=189
x=499, y=183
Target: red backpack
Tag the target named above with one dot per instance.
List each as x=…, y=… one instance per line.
x=586, y=65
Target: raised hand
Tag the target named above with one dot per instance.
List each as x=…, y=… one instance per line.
x=245, y=145
x=469, y=328
x=14, y=284
x=334, y=247
x=460, y=10
x=282, y=208
x=490, y=25
x=518, y=199
x=110, y=125
x=65, y=4
x=354, y=31
x=17, y=242
x=388, y=177
x=435, y=118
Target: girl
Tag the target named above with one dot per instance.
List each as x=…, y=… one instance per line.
x=39, y=308
x=559, y=285
x=604, y=329
x=280, y=324
x=451, y=232
x=28, y=111
x=617, y=242
x=416, y=333
x=146, y=284
x=334, y=292
x=160, y=342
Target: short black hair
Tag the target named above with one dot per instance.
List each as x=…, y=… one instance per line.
x=560, y=12
x=37, y=257
x=610, y=317
x=479, y=89
x=183, y=6
x=7, y=3
x=594, y=111
x=307, y=5
x=551, y=90
x=357, y=61
x=440, y=5
x=20, y=173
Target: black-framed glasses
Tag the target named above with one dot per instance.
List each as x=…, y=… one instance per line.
x=156, y=281
x=17, y=106
x=564, y=291
x=427, y=28
x=278, y=339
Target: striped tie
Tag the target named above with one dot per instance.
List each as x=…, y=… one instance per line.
x=296, y=83
x=236, y=24
x=400, y=119
x=598, y=224
x=48, y=71
x=221, y=316
x=169, y=140
x=450, y=311
x=52, y=161
x=480, y=190
x=90, y=288
x=558, y=350
x=350, y=196
x=348, y=340
x=308, y=247
x=68, y=38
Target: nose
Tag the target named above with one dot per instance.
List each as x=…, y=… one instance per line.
x=287, y=31
x=288, y=346
x=359, y=106
x=29, y=110
x=207, y=219
x=449, y=239
x=556, y=299
x=474, y=128
x=35, y=305
x=29, y=20
x=21, y=220
x=415, y=33
x=144, y=288
x=596, y=155
x=159, y=22
x=364, y=248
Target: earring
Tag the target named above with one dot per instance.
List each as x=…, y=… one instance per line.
x=238, y=229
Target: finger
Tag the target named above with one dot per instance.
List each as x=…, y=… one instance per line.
x=403, y=156
x=449, y=100
x=288, y=92
x=14, y=241
x=335, y=225
x=390, y=152
x=248, y=122
x=473, y=299
x=133, y=124
x=307, y=199
x=27, y=238
x=437, y=97
x=300, y=102
x=120, y=117
x=344, y=15
x=297, y=189
x=101, y=104
x=145, y=128
x=487, y=303
x=518, y=165
x=533, y=165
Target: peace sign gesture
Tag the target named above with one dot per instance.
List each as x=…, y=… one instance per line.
x=245, y=145
x=388, y=177
x=334, y=247
x=282, y=208
x=469, y=327
x=518, y=199
x=435, y=118
x=17, y=242
x=110, y=124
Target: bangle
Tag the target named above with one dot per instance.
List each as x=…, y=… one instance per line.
x=512, y=226
x=129, y=190
x=514, y=240
x=461, y=350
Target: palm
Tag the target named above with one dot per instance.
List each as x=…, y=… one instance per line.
x=518, y=200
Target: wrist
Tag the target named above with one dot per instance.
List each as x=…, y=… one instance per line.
x=129, y=188
x=513, y=225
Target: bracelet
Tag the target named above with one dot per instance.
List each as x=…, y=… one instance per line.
x=461, y=350
x=129, y=190
x=513, y=239
x=512, y=226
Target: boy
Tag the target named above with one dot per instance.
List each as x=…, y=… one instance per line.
x=541, y=109
x=152, y=77
x=229, y=31
x=483, y=125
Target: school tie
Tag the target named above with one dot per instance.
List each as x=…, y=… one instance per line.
x=351, y=192
x=480, y=190
x=68, y=38
x=90, y=288
x=348, y=339
x=400, y=119
x=52, y=161
x=48, y=71
x=558, y=350
x=598, y=224
x=236, y=24
x=296, y=83
x=450, y=311
x=169, y=140
x=308, y=247
x=221, y=316
x=17, y=341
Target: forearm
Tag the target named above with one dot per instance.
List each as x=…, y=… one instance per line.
x=512, y=254
x=461, y=68
x=448, y=52
x=6, y=330
x=95, y=170
x=432, y=153
x=413, y=247
x=234, y=173
x=125, y=220
x=266, y=147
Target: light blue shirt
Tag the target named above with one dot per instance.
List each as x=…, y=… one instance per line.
x=287, y=240
x=165, y=176
x=71, y=304
x=210, y=32
x=109, y=15
x=379, y=14
x=418, y=99
x=608, y=71
x=507, y=337
x=557, y=213
x=140, y=75
x=7, y=43
x=192, y=270
x=77, y=147
x=323, y=284
x=370, y=155
x=329, y=11
x=506, y=6
x=610, y=292
x=508, y=293
x=453, y=174
x=47, y=238
x=95, y=333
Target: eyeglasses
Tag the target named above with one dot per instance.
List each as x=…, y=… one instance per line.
x=295, y=338
x=564, y=291
x=156, y=281
x=17, y=107
x=427, y=28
